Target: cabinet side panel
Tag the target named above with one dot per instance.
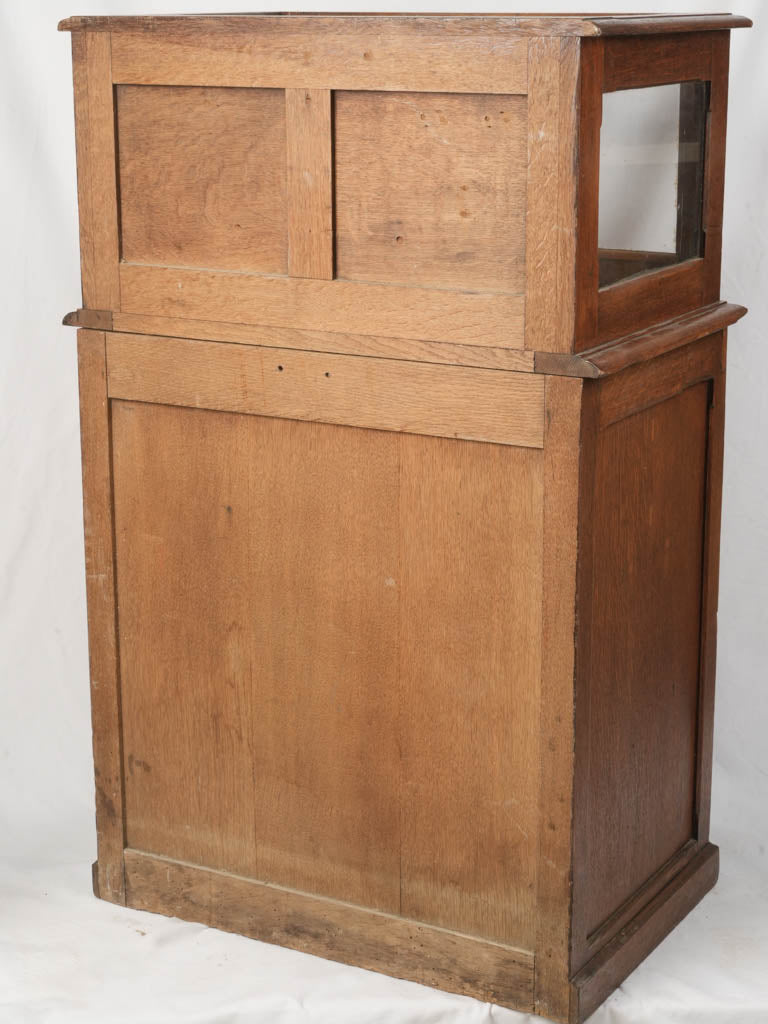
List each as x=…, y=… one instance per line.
x=470, y=620
x=642, y=689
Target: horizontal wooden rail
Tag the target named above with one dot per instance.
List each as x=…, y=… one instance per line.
x=383, y=394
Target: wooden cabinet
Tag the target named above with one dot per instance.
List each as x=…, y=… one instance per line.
x=402, y=413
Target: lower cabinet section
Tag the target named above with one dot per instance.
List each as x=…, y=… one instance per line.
x=405, y=665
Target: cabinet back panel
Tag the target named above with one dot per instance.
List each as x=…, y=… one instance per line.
x=202, y=177
x=329, y=659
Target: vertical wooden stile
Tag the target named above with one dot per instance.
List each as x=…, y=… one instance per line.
x=551, y=204
x=102, y=615
x=96, y=178
x=310, y=183
x=560, y=536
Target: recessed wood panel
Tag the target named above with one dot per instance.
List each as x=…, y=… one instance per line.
x=643, y=683
x=470, y=627
x=430, y=189
x=258, y=626
x=288, y=590
x=202, y=177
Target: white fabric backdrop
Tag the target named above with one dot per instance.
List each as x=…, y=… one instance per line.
x=65, y=957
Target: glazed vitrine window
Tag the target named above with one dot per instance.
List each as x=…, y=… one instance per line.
x=652, y=150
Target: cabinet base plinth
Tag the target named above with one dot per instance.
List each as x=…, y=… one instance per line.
x=615, y=961
x=371, y=939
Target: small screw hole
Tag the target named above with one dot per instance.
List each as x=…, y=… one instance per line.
x=327, y=374
x=280, y=369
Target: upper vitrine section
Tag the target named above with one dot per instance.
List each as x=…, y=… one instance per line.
x=476, y=188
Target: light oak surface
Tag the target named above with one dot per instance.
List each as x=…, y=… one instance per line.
x=452, y=401
x=202, y=177
x=431, y=314
x=310, y=184
x=334, y=53
x=430, y=189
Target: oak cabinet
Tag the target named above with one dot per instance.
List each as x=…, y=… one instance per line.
x=402, y=391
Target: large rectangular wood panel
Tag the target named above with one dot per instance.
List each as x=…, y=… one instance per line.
x=329, y=660
x=642, y=622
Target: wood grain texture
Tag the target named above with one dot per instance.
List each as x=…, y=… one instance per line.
x=551, y=201
x=644, y=499
x=632, y=63
x=650, y=299
x=349, y=307
x=324, y=341
x=644, y=25
x=469, y=635
x=328, y=557
x=589, y=120
x=325, y=53
x=376, y=941
x=642, y=346
x=202, y=177
x=309, y=183
x=266, y=642
x=714, y=168
x=384, y=394
x=545, y=24
x=96, y=188
x=645, y=385
x=102, y=612
x=430, y=189
x=560, y=468
x=92, y=319
x=654, y=922
x=710, y=586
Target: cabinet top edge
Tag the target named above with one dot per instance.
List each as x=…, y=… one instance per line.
x=455, y=24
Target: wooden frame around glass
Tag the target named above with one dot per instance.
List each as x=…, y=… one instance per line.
x=635, y=303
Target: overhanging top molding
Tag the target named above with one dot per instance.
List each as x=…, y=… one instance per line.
x=545, y=25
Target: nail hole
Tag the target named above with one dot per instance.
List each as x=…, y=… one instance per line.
x=280, y=368
x=398, y=239
x=327, y=374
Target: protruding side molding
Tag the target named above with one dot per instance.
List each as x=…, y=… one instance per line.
x=92, y=319
x=616, y=355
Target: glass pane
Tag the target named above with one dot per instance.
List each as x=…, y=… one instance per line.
x=651, y=178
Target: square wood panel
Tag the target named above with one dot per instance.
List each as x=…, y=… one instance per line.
x=430, y=189
x=202, y=177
